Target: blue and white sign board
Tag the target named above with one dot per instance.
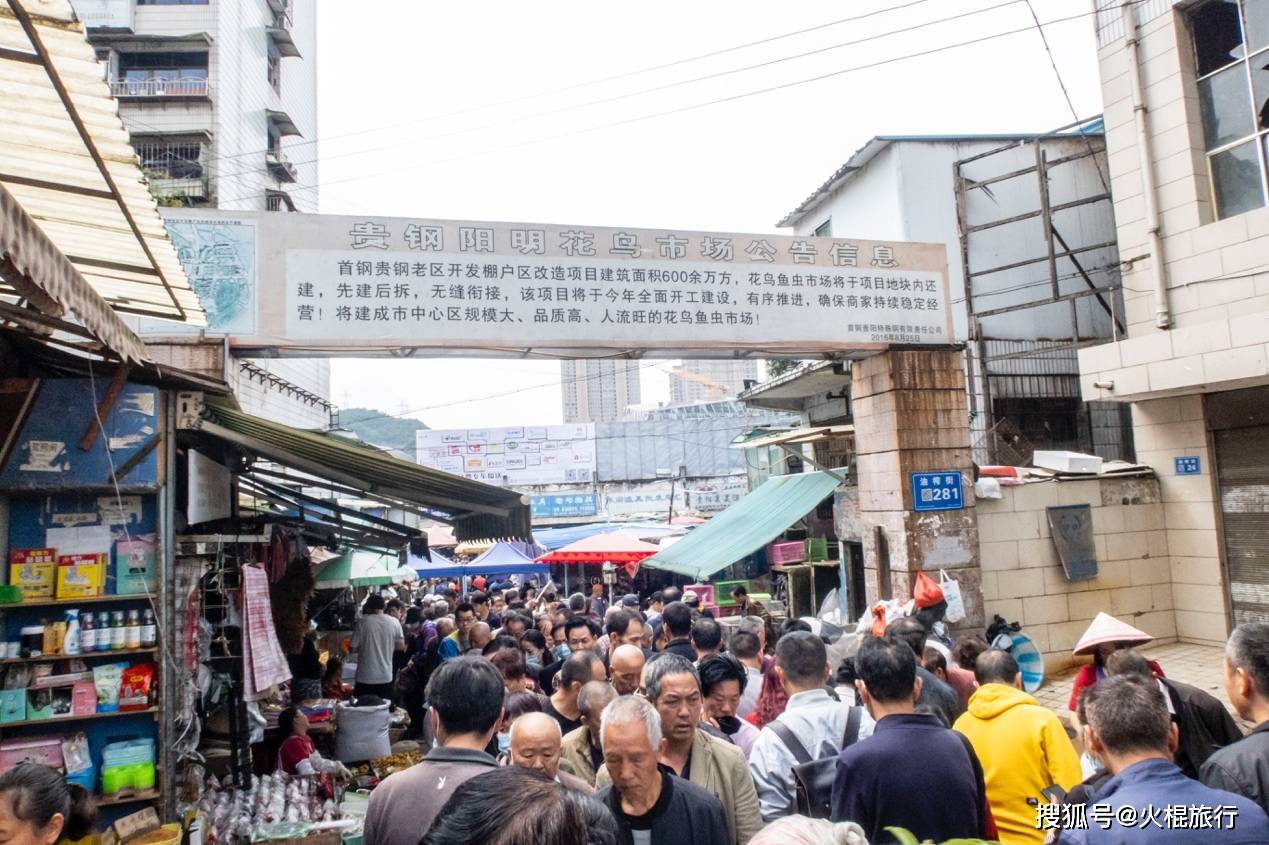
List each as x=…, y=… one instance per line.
x=937, y=491
x=575, y=504
x=1188, y=465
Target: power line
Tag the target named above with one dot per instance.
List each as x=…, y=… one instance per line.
x=408, y=414
x=663, y=87
x=600, y=80
x=696, y=106
x=1067, y=94
x=241, y=176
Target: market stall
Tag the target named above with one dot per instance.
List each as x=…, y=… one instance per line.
x=764, y=521
x=285, y=545
x=618, y=548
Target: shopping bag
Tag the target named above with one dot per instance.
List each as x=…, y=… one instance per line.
x=925, y=591
x=952, y=595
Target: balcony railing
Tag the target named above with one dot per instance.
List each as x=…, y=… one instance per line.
x=194, y=188
x=278, y=165
x=152, y=88
x=278, y=201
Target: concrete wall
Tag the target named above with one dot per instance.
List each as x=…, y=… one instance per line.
x=1023, y=579
x=1217, y=270
x=1166, y=429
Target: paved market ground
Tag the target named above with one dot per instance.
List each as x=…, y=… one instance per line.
x=1198, y=665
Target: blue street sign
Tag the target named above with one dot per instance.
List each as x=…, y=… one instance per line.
x=576, y=504
x=1188, y=465
x=937, y=491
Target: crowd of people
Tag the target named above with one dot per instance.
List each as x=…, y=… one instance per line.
x=560, y=719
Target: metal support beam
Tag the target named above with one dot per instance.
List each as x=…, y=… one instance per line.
x=785, y=447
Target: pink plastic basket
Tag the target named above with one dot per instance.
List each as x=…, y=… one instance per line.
x=791, y=552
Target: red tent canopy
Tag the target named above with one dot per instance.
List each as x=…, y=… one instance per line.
x=603, y=548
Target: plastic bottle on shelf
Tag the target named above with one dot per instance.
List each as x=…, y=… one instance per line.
x=102, y=626
x=88, y=634
x=71, y=642
x=132, y=634
x=149, y=631
x=118, y=631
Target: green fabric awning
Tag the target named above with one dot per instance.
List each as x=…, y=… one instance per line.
x=361, y=569
x=746, y=526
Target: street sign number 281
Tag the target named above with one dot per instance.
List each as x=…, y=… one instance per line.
x=937, y=491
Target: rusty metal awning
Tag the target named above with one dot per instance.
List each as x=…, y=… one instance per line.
x=79, y=225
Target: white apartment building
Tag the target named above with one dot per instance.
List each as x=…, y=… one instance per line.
x=598, y=389
x=710, y=380
x=1032, y=268
x=1185, y=91
x=220, y=98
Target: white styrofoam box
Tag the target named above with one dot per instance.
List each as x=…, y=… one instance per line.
x=1067, y=462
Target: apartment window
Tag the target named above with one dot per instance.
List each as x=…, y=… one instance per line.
x=275, y=67
x=159, y=73
x=171, y=160
x=1231, y=54
x=825, y=229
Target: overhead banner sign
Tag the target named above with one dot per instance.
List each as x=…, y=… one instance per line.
x=511, y=457
x=377, y=285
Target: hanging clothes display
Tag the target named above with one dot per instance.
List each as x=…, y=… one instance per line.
x=265, y=664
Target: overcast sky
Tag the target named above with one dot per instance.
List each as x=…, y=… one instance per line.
x=429, y=110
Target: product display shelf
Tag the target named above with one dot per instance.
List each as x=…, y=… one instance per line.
x=49, y=658
x=59, y=720
x=75, y=602
x=128, y=798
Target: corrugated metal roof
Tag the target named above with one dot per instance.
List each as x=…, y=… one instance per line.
x=860, y=158
x=478, y=510
x=66, y=159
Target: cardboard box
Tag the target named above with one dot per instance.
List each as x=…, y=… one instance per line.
x=33, y=571
x=83, y=698
x=13, y=705
x=135, y=569
x=45, y=750
x=80, y=576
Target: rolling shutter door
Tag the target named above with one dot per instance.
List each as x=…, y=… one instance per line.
x=1242, y=458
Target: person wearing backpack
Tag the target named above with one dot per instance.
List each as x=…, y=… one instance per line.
x=793, y=760
x=912, y=772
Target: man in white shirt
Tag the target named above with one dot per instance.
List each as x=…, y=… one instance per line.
x=813, y=716
x=377, y=638
x=747, y=646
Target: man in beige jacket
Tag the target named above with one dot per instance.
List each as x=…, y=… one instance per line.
x=580, y=751
x=673, y=686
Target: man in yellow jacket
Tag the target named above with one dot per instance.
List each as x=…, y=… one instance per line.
x=1021, y=744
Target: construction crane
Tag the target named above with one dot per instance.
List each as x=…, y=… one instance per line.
x=717, y=390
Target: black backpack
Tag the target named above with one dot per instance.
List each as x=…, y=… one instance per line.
x=813, y=779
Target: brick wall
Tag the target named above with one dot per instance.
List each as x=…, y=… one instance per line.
x=1023, y=579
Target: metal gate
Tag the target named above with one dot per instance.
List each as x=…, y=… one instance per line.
x=1242, y=473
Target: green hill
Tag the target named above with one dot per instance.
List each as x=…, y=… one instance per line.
x=381, y=429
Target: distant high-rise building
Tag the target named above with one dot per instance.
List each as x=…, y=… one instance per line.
x=599, y=390
x=710, y=380
x=220, y=100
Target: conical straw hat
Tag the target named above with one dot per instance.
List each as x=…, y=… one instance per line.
x=1107, y=629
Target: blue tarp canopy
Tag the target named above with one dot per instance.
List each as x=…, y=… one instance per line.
x=558, y=538
x=505, y=558
x=502, y=558
x=438, y=567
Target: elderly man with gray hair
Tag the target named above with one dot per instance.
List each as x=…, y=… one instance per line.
x=581, y=750
x=673, y=686
x=649, y=804
x=535, y=744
